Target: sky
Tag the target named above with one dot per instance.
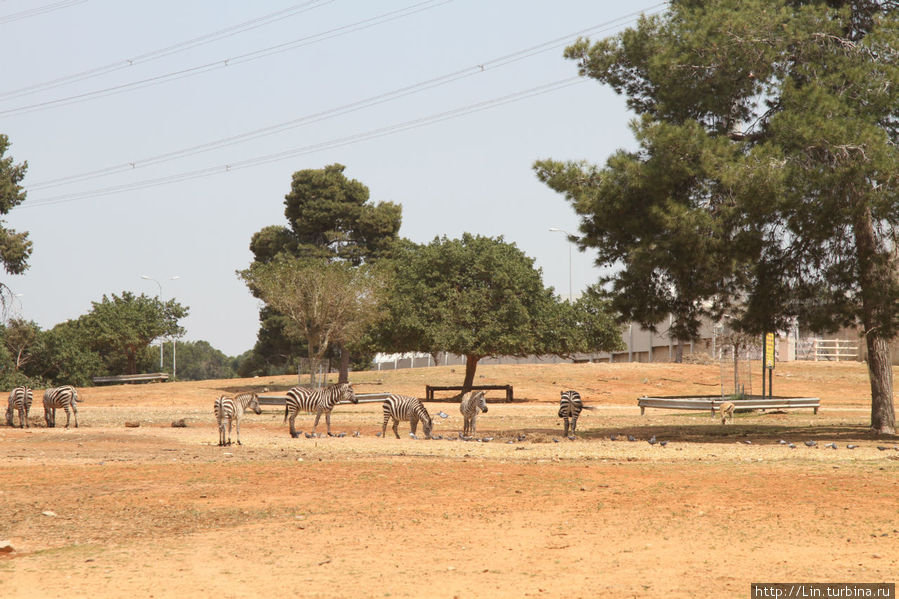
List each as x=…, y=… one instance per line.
x=161, y=135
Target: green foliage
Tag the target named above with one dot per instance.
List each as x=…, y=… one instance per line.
x=329, y=218
x=198, y=361
x=764, y=186
x=64, y=355
x=480, y=296
x=15, y=248
x=121, y=327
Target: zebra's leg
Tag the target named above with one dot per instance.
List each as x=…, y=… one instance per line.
x=293, y=431
x=474, y=424
x=565, y=434
x=317, y=416
x=221, y=432
x=68, y=416
x=328, y=422
x=23, y=419
x=26, y=418
x=75, y=413
x=396, y=424
x=384, y=426
x=413, y=423
x=573, y=423
x=237, y=424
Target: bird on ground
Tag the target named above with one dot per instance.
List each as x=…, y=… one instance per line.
x=851, y=446
x=882, y=448
x=486, y=439
x=832, y=445
x=811, y=443
x=412, y=436
x=663, y=443
x=782, y=442
x=631, y=438
x=746, y=441
x=356, y=434
x=652, y=440
x=613, y=437
x=555, y=440
x=309, y=435
x=442, y=414
x=791, y=446
x=341, y=435
x=571, y=437
x=377, y=434
x=522, y=436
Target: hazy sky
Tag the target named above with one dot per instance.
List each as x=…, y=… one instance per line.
x=161, y=135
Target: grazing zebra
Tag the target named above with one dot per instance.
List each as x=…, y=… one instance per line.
x=319, y=401
x=403, y=407
x=469, y=407
x=232, y=408
x=20, y=400
x=60, y=397
x=570, y=407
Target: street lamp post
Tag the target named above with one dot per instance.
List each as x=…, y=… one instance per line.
x=173, y=278
x=567, y=235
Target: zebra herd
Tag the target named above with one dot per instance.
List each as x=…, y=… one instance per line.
x=398, y=408
x=20, y=399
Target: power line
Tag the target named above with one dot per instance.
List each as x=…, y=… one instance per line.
x=168, y=50
x=239, y=59
x=401, y=92
x=308, y=149
x=39, y=10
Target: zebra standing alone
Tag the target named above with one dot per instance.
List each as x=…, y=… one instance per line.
x=232, y=408
x=60, y=397
x=570, y=407
x=319, y=401
x=469, y=406
x=20, y=400
x=404, y=407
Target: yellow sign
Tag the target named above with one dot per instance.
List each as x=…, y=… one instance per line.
x=769, y=350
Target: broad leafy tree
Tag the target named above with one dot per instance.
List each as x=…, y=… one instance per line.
x=121, y=327
x=330, y=218
x=764, y=183
x=196, y=361
x=479, y=297
x=324, y=304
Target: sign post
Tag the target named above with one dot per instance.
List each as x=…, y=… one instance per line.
x=768, y=364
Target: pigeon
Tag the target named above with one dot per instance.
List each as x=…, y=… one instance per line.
x=438, y=437
x=510, y=442
x=782, y=442
x=412, y=435
x=832, y=445
x=631, y=438
x=881, y=448
x=341, y=435
x=442, y=414
x=811, y=443
x=522, y=436
x=663, y=443
x=652, y=440
x=851, y=446
x=791, y=446
x=746, y=442
x=486, y=439
x=356, y=434
x=613, y=437
x=309, y=435
x=556, y=441
x=571, y=437
x=377, y=434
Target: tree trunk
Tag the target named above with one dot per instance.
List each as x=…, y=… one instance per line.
x=471, y=365
x=679, y=352
x=880, y=371
x=872, y=277
x=344, y=376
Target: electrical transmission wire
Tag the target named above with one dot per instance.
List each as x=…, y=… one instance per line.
x=239, y=59
x=39, y=10
x=308, y=149
x=355, y=106
x=195, y=42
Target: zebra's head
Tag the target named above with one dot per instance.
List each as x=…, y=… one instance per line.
x=480, y=400
x=254, y=404
x=347, y=393
x=427, y=424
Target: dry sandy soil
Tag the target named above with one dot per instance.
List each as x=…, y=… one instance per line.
x=155, y=511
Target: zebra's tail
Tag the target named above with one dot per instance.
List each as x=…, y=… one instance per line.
x=285, y=414
x=586, y=407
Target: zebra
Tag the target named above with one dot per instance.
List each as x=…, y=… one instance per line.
x=404, y=407
x=469, y=407
x=232, y=408
x=319, y=401
x=570, y=406
x=20, y=400
x=60, y=397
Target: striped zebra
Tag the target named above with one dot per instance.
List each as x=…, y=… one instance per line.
x=232, y=408
x=403, y=407
x=317, y=401
x=20, y=400
x=570, y=407
x=60, y=397
x=469, y=407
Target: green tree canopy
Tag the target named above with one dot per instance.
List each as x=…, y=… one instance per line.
x=479, y=297
x=765, y=181
x=329, y=218
x=15, y=247
x=323, y=303
x=121, y=327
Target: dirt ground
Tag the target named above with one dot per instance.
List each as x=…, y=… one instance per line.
x=156, y=511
